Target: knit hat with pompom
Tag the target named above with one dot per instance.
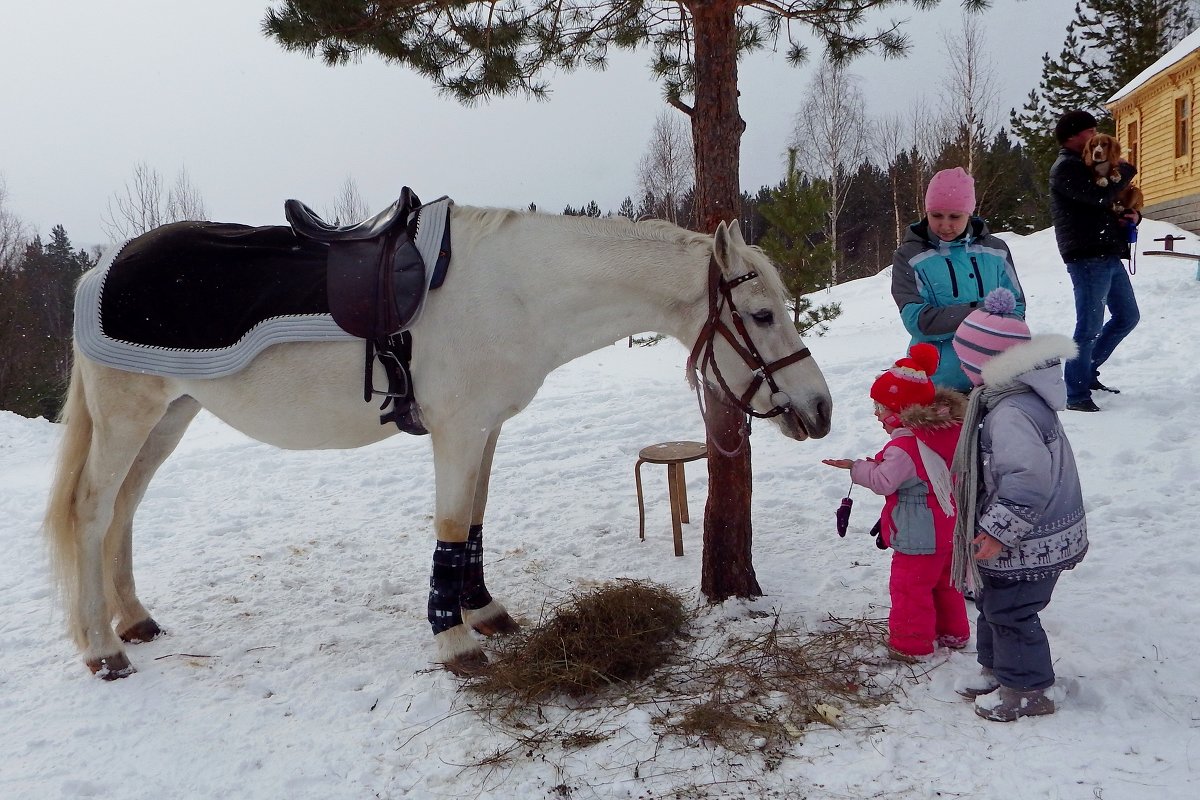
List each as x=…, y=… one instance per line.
x=988, y=331
x=907, y=383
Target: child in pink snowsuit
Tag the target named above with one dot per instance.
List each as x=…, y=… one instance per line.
x=912, y=472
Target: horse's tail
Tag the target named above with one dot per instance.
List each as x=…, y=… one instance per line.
x=61, y=524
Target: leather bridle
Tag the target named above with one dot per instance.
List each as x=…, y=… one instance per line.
x=703, y=358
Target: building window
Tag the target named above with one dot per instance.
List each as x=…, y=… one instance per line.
x=1182, y=126
x=1131, y=143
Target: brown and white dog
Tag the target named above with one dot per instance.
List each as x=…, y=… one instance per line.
x=1102, y=154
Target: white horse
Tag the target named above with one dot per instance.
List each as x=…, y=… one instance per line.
x=525, y=293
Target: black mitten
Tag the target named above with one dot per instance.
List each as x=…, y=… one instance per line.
x=843, y=516
x=877, y=532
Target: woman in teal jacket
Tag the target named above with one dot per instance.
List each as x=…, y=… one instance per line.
x=945, y=266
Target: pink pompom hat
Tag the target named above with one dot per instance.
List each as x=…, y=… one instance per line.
x=988, y=331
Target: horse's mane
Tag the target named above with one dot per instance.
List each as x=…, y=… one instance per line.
x=489, y=220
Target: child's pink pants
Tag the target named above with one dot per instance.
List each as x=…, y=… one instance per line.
x=926, y=608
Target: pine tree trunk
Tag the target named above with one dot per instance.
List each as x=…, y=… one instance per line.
x=727, y=569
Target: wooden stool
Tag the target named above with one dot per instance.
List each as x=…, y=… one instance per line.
x=674, y=455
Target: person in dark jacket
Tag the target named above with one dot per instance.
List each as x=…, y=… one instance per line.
x=1092, y=240
x=945, y=266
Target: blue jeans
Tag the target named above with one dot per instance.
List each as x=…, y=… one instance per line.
x=1098, y=283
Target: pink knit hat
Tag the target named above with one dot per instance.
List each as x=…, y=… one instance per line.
x=951, y=190
x=988, y=331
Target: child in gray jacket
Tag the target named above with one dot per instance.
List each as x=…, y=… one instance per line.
x=1020, y=505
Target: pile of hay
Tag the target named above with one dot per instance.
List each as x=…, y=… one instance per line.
x=771, y=685
x=612, y=636
x=754, y=689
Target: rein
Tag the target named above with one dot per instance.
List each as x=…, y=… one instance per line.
x=703, y=357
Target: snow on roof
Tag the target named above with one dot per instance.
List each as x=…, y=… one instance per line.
x=1172, y=57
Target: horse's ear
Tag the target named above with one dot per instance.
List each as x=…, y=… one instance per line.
x=721, y=244
x=735, y=233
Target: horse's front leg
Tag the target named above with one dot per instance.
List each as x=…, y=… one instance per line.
x=479, y=610
x=458, y=455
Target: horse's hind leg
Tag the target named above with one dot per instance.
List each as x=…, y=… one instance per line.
x=479, y=610
x=133, y=621
x=108, y=417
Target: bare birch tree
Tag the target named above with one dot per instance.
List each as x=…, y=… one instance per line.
x=970, y=96
x=14, y=236
x=184, y=200
x=890, y=140
x=144, y=203
x=832, y=129
x=666, y=170
x=13, y=232
x=348, y=207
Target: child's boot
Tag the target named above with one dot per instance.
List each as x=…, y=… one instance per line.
x=1008, y=704
x=972, y=686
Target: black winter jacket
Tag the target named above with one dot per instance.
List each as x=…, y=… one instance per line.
x=1084, y=223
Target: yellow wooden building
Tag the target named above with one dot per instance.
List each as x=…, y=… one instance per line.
x=1155, y=117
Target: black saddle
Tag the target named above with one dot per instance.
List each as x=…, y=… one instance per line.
x=376, y=282
x=376, y=276
x=306, y=223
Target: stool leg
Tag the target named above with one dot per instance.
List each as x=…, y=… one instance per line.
x=681, y=494
x=637, y=479
x=674, y=480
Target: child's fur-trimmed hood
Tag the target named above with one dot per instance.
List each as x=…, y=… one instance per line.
x=1040, y=351
x=947, y=409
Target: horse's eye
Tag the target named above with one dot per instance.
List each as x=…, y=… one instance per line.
x=764, y=317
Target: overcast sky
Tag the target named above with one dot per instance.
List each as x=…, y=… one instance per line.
x=89, y=89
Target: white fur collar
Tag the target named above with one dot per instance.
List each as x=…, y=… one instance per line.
x=1018, y=360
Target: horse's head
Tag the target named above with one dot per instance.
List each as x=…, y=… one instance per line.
x=749, y=350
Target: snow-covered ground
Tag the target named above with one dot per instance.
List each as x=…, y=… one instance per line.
x=294, y=586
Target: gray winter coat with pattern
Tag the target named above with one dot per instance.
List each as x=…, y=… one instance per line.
x=1031, y=499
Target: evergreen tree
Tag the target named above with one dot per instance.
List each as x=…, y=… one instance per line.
x=1108, y=44
x=1010, y=198
x=796, y=243
x=627, y=209
x=37, y=327
x=907, y=177
x=754, y=224
x=867, y=237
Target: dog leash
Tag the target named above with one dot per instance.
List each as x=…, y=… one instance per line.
x=1131, y=238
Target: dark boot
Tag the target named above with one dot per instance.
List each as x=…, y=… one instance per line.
x=1013, y=704
x=1083, y=405
x=975, y=685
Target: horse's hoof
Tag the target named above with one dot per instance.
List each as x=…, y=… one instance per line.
x=491, y=620
x=467, y=664
x=500, y=625
x=145, y=631
x=109, y=668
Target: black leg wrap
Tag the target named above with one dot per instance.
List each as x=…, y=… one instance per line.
x=446, y=584
x=474, y=592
